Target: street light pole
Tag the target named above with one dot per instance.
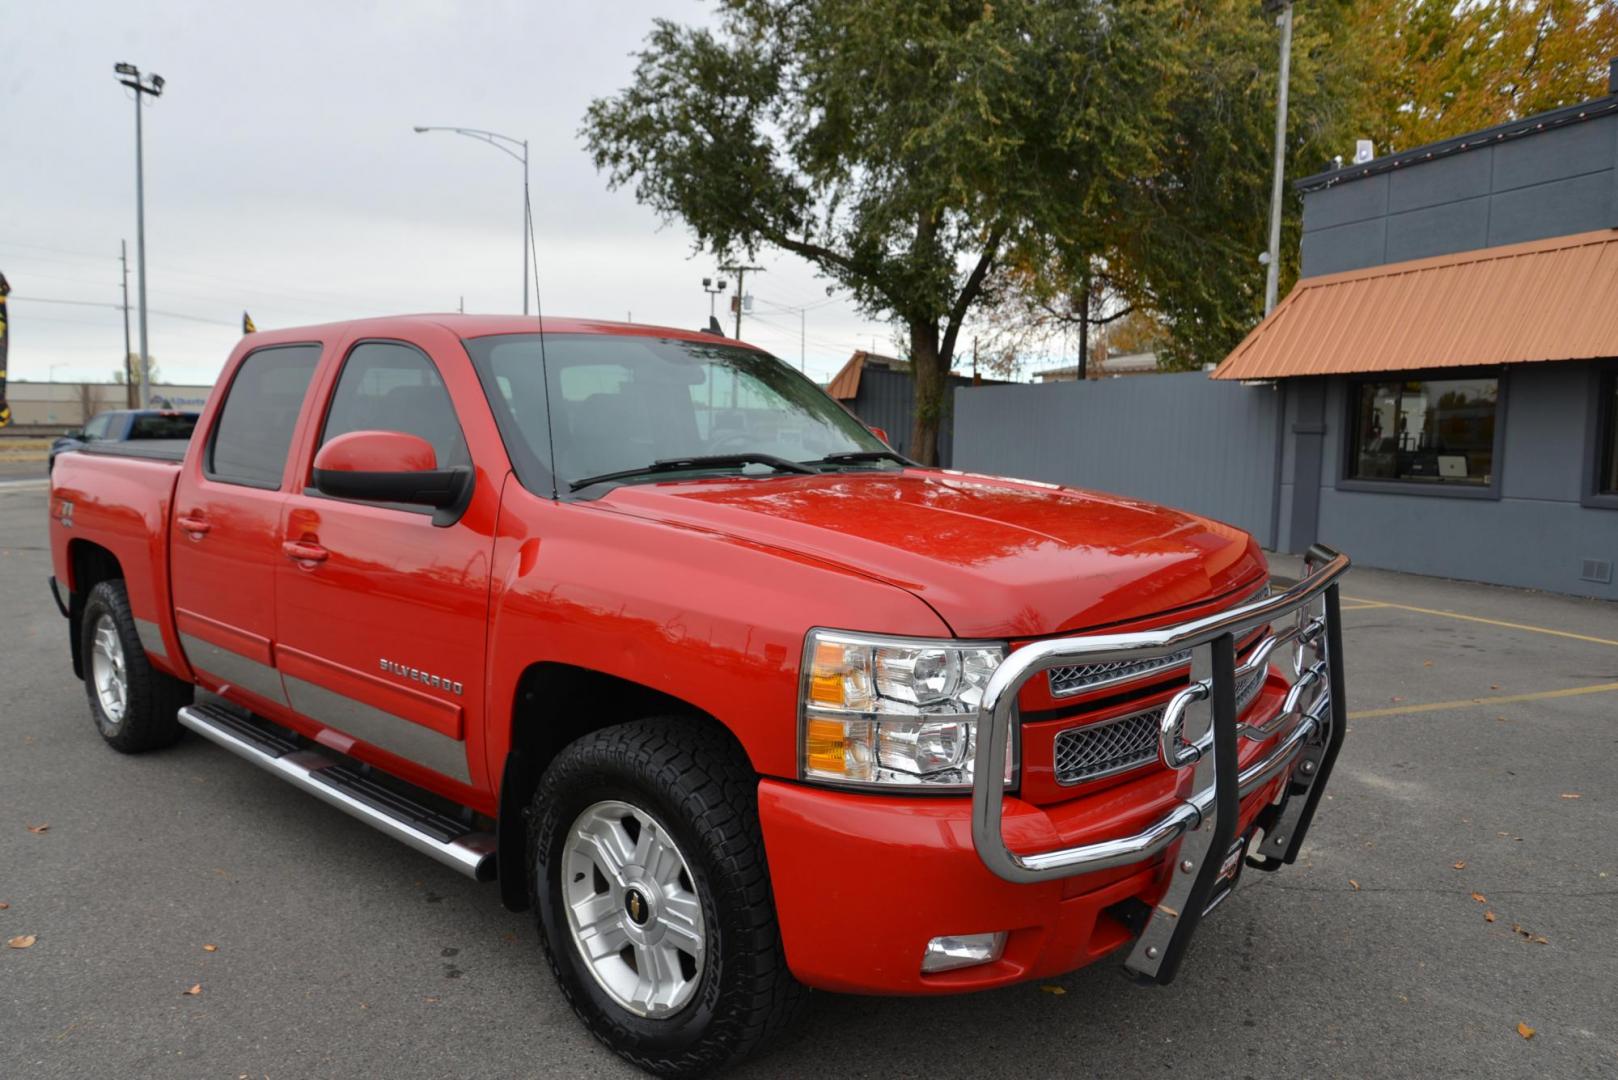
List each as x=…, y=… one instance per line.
x=1272, y=271
x=153, y=87
x=506, y=145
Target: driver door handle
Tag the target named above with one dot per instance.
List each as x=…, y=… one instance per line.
x=193, y=525
x=304, y=551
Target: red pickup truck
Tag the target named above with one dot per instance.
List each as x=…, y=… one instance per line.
x=643, y=625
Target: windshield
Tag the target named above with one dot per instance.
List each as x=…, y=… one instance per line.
x=621, y=402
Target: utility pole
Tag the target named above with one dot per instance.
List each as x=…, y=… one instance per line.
x=129, y=372
x=1272, y=270
x=741, y=291
x=153, y=87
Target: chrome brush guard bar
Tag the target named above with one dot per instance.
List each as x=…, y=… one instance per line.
x=1199, y=731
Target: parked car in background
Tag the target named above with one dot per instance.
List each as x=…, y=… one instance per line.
x=642, y=625
x=126, y=425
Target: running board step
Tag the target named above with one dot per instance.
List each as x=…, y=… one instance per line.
x=429, y=832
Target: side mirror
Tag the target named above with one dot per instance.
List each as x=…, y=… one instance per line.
x=388, y=466
x=879, y=433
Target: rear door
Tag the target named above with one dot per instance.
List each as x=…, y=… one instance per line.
x=225, y=543
x=381, y=636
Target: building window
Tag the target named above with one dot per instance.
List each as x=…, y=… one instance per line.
x=1607, y=436
x=1425, y=431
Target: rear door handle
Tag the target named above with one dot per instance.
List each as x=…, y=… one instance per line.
x=304, y=551
x=195, y=526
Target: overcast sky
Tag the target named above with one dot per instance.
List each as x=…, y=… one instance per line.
x=282, y=176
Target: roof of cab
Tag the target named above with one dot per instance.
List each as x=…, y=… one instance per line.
x=473, y=326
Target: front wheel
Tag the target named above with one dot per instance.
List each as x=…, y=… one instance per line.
x=648, y=876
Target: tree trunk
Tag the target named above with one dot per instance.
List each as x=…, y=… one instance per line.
x=929, y=368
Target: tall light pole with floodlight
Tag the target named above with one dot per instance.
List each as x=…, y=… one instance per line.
x=506, y=145
x=713, y=290
x=151, y=86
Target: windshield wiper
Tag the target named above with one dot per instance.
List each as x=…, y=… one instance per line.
x=701, y=461
x=847, y=457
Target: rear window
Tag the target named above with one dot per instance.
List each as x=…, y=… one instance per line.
x=159, y=426
x=254, y=430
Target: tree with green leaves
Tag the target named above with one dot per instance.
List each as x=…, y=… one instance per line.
x=909, y=149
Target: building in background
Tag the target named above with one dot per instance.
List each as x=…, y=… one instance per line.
x=881, y=391
x=1447, y=360
x=50, y=408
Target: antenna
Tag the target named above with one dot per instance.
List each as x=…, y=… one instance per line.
x=539, y=316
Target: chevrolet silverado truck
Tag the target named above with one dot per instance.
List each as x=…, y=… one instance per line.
x=643, y=626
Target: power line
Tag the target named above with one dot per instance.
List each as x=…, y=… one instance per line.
x=119, y=307
x=57, y=250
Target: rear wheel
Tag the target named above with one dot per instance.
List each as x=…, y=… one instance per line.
x=133, y=705
x=648, y=876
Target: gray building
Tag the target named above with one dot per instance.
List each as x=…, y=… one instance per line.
x=1446, y=361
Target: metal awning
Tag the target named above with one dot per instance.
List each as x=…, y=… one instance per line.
x=1520, y=303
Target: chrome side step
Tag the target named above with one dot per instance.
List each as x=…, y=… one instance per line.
x=333, y=782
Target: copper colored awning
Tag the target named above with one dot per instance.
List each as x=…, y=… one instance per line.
x=1521, y=303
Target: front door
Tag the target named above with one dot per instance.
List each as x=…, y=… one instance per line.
x=381, y=629
x=224, y=541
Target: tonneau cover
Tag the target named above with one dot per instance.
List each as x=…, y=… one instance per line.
x=152, y=449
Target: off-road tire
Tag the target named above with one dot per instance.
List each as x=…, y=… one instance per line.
x=153, y=697
x=698, y=783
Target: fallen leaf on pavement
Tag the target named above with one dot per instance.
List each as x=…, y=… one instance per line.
x=38, y=828
x=1494, y=686
x=194, y=991
x=3, y=905
x=210, y=948
x=1524, y=1030
x=1426, y=663
x=1461, y=865
x=1354, y=883
x=1488, y=916
x=1396, y=700
x=1057, y=990
x=1541, y=939
x=1479, y=897
x=1571, y=795
x=22, y=941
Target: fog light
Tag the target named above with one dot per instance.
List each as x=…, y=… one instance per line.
x=962, y=950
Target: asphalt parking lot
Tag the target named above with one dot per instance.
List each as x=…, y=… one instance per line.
x=1477, y=782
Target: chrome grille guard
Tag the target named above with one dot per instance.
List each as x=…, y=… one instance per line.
x=1199, y=730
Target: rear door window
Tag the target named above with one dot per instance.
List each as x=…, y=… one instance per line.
x=254, y=429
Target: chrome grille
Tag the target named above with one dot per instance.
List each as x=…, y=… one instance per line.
x=1066, y=681
x=1128, y=742
x=1096, y=750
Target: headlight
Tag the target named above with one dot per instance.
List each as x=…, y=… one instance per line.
x=899, y=712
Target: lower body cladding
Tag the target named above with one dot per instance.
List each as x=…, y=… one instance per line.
x=863, y=883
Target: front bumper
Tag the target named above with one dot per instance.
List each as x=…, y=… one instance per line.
x=863, y=882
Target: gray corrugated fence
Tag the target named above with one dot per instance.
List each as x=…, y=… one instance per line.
x=1180, y=440
x=887, y=400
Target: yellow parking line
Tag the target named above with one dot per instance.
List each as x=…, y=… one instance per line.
x=1486, y=622
x=1363, y=605
x=1439, y=706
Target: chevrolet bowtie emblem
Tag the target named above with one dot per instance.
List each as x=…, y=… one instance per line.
x=634, y=906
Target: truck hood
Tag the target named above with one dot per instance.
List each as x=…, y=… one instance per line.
x=995, y=558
